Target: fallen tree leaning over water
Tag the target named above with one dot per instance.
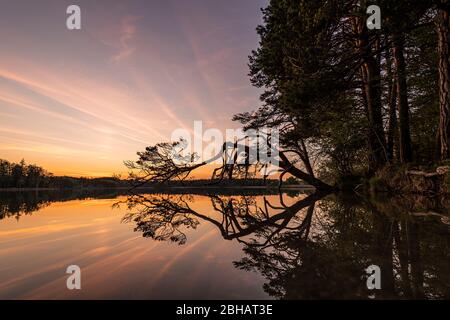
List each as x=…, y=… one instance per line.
x=166, y=161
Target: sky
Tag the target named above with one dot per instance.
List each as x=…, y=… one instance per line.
x=80, y=102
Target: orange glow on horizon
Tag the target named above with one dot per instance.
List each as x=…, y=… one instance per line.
x=80, y=103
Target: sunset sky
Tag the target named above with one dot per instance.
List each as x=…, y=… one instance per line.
x=80, y=102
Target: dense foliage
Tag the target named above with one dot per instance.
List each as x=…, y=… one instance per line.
x=359, y=99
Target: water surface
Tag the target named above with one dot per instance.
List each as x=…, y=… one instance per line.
x=234, y=245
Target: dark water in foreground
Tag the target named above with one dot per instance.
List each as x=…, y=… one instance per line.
x=247, y=246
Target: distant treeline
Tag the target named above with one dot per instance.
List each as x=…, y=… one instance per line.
x=22, y=175
x=217, y=182
x=221, y=183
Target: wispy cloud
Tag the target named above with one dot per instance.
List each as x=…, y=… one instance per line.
x=86, y=101
x=128, y=30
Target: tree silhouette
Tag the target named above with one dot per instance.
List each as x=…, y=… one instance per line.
x=166, y=161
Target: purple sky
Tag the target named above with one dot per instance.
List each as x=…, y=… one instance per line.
x=80, y=102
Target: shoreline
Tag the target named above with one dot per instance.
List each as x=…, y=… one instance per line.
x=210, y=187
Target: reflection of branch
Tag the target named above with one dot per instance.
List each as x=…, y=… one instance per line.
x=161, y=217
x=166, y=220
x=302, y=230
x=272, y=221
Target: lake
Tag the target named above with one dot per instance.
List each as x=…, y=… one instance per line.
x=222, y=244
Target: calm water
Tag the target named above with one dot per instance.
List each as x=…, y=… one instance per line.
x=252, y=246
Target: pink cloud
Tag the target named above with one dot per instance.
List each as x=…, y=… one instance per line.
x=128, y=30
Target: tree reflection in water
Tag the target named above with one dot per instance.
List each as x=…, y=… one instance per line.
x=319, y=247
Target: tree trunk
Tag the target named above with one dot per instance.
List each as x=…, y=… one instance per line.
x=392, y=126
x=288, y=167
x=443, y=25
x=402, y=96
x=392, y=106
x=371, y=76
x=304, y=155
